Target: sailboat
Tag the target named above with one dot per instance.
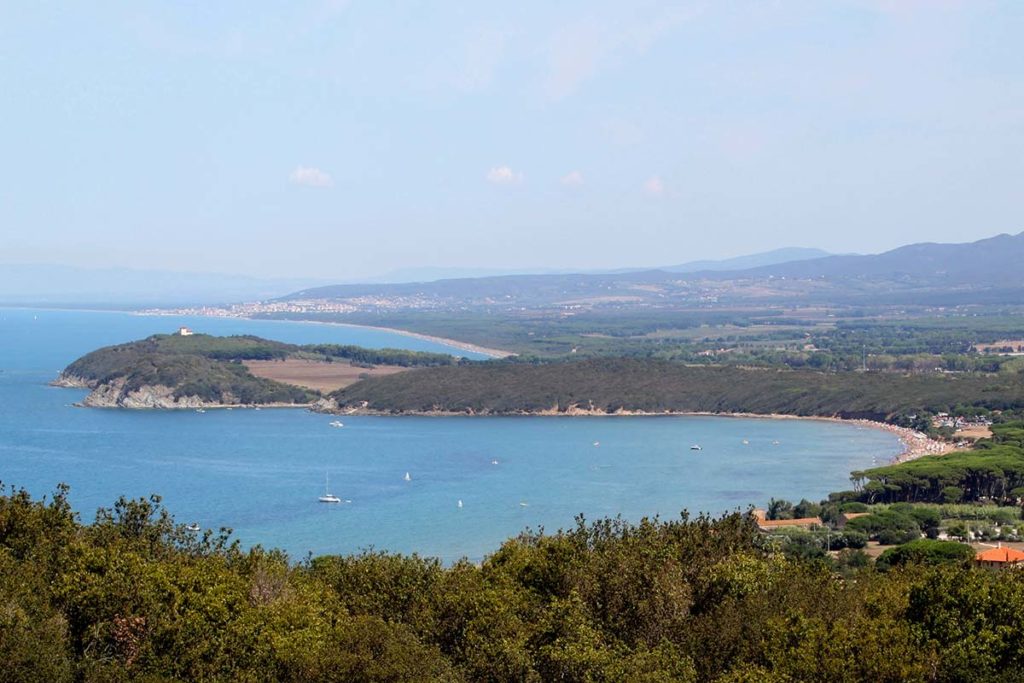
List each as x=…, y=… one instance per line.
x=328, y=497
x=407, y=477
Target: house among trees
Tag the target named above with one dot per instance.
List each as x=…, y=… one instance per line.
x=185, y=332
x=999, y=557
x=765, y=524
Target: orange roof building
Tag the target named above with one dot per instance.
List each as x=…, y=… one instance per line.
x=1000, y=557
x=765, y=524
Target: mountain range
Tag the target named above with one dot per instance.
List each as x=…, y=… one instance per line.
x=988, y=268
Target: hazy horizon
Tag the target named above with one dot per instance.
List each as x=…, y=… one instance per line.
x=340, y=141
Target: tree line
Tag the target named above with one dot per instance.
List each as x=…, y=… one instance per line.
x=135, y=596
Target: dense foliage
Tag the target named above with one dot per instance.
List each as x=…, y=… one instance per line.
x=611, y=384
x=135, y=596
x=172, y=359
x=364, y=356
x=993, y=471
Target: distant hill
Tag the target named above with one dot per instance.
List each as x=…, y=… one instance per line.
x=995, y=261
x=767, y=258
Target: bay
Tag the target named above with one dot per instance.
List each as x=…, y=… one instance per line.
x=260, y=472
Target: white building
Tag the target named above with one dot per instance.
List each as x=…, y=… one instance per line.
x=185, y=332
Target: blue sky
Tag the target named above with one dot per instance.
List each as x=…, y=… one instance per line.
x=345, y=139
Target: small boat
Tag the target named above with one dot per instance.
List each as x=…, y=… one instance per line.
x=775, y=443
x=695, y=447
x=596, y=444
x=460, y=502
x=193, y=527
x=200, y=410
x=746, y=442
x=336, y=423
x=524, y=504
x=494, y=462
x=328, y=497
x=407, y=477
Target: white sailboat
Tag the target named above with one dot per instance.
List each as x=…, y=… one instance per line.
x=328, y=497
x=336, y=423
x=407, y=477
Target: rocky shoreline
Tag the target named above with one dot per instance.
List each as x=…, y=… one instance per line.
x=151, y=397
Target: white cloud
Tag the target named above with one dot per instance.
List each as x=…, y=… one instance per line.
x=654, y=186
x=503, y=175
x=311, y=177
x=572, y=179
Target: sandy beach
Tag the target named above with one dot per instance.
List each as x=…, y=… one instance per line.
x=455, y=343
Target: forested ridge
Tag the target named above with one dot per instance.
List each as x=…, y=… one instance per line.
x=210, y=368
x=611, y=384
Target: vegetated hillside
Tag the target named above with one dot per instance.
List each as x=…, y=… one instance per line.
x=206, y=369
x=200, y=367
x=611, y=384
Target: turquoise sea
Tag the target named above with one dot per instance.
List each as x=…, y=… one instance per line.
x=260, y=472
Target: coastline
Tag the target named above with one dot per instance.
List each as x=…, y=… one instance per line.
x=914, y=444
x=454, y=343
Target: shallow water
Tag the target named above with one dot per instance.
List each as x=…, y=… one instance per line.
x=260, y=472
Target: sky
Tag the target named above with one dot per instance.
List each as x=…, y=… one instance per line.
x=339, y=140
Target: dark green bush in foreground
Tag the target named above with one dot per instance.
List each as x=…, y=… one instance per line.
x=135, y=596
